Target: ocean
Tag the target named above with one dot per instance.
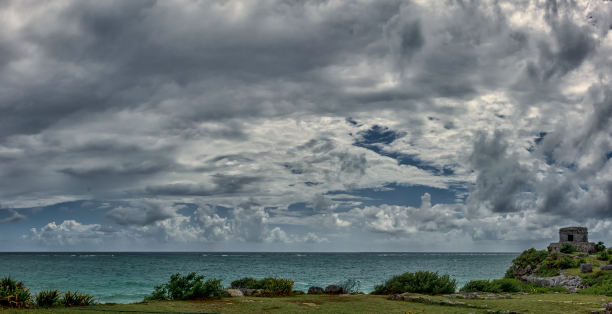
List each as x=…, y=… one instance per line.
x=129, y=277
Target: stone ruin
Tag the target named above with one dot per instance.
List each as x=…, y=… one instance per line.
x=578, y=237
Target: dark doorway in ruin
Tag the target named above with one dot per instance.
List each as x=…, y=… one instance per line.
x=570, y=237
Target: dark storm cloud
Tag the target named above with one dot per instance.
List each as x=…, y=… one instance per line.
x=146, y=52
x=499, y=178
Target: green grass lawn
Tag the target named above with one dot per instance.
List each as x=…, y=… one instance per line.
x=533, y=303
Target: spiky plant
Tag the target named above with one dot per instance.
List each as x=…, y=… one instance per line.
x=48, y=298
x=76, y=299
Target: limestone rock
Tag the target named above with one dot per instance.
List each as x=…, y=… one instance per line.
x=586, y=268
x=333, y=289
x=606, y=267
x=250, y=292
x=572, y=283
x=235, y=292
x=315, y=290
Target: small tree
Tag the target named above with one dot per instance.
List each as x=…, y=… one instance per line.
x=600, y=246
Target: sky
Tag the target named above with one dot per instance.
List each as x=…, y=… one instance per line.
x=303, y=125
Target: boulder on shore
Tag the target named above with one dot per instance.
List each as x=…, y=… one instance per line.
x=333, y=289
x=315, y=290
x=235, y=292
x=250, y=292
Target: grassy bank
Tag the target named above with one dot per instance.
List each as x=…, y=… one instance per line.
x=532, y=303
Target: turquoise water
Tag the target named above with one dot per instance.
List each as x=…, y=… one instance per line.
x=128, y=277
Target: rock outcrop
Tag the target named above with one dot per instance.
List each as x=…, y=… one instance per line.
x=572, y=283
x=315, y=290
x=333, y=289
x=235, y=292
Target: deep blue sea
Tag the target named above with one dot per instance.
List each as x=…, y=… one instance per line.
x=128, y=277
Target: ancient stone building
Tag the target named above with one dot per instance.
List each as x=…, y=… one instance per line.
x=578, y=237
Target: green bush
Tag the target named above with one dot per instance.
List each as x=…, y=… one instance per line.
x=245, y=283
x=48, y=298
x=420, y=282
x=547, y=272
x=494, y=286
x=13, y=294
x=552, y=265
x=276, y=287
x=189, y=287
x=567, y=248
x=269, y=286
x=506, y=285
x=76, y=299
x=603, y=256
x=600, y=246
x=477, y=286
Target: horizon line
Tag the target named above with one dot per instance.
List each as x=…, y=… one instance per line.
x=259, y=252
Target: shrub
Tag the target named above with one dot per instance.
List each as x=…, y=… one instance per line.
x=269, y=286
x=276, y=287
x=13, y=294
x=350, y=286
x=506, y=285
x=246, y=283
x=476, y=286
x=495, y=286
x=421, y=282
x=48, y=298
x=76, y=299
x=552, y=265
x=603, y=256
x=547, y=272
x=567, y=248
x=600, y=246
x=189, y=287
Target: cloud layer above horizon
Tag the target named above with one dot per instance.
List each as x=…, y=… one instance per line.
x=304, y=125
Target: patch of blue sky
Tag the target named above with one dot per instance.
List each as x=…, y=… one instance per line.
x=404, y=195
x=377, y=136
x=85, y=212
